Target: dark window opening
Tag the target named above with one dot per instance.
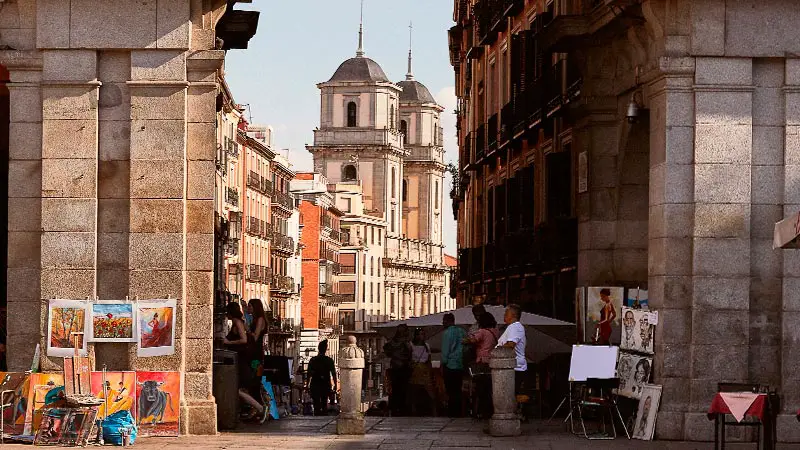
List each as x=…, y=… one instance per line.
x=559, y=184
x=351, y=114
x=349, y=173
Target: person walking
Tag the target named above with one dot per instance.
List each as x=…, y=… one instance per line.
x=237, y=340
x=258, y=329
x=484, y=340
x=453, y=363
x=420, y=384
x=321, y=370
x=399, y=352
x=514, y=338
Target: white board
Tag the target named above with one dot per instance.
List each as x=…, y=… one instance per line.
x=593, y=361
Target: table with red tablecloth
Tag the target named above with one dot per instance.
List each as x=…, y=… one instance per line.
x=758, y=409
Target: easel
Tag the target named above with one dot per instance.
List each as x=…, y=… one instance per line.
x=76, y=372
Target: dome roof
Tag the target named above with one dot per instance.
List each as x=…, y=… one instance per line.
x=359, y=69
x=415, y=92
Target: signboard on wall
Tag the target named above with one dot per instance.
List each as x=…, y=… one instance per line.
x=583, y=172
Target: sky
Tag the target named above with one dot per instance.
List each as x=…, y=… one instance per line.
x=301, y=43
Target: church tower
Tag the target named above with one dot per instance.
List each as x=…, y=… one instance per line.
x=358, y=140
x=424, y=166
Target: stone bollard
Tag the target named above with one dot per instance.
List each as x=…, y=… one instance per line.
x=351, y=364
x=505, y=421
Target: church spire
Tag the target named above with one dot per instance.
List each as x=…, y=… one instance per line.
x=410, y=73
x=360, y=51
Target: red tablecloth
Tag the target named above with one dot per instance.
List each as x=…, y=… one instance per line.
x=757, y=409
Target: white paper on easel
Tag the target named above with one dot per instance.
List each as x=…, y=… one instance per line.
x=593, y=361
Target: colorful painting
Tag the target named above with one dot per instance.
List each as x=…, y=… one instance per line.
x=603, y=311
x=45, y=390
x=158, y=395
x=13, y=385
x=156, y=327
x=647, y=413
x=118, y=389
x=637, y=331
x=636, y=299
x=65, y=318
x=112, y=321
x=633, y=372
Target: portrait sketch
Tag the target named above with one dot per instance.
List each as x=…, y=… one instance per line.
x=604, y=315
x=645, y=424
x=634, y=372
x=637, y=331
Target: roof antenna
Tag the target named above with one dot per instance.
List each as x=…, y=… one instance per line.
x=410, y=74
x=360, y=51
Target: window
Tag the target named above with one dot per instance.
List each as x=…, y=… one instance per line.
x=391, y=220
x=404, y=128
x=391, y=302
x=347, y=205
x=363, y=292
x=380, y=232
x=379, y=293
x=372, y=232
x=364, y=264
x=349, y=173
x=391, y=117
x=405, y=190
x=371, y=265
x=436, y=196
x=371, y=292
x=394, y=194
x=379, y=266
x=351, y=114
x=435, y=133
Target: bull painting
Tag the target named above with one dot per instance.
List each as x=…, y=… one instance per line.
x=157, y=393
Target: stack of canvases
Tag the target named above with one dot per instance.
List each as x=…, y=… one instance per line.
x=152, y=398
x=609, y=320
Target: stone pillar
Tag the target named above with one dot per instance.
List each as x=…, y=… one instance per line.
x=406, y=301
x=417, y=293
x=426, y=301
x=351, y=364
x=505, y=421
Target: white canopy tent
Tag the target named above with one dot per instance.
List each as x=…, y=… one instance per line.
x=545, y=336
x=787, y=232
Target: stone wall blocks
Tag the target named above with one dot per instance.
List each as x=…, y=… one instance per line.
x=674, y=395
x=25, y=104
x=721, y=293
x=633, y=263
x=24, y=249
x=710, y=361
x=790, y=367
x=766, y=294
x=202, y=104
x=703, y=389
x=156, y=283
x=711, y=327
x=22, y=39
x=791, y=293
x=769, y=72
x=201, y=144
x=82, y=141
x=23, y=284
x=670, y=256
x=70, y=102
x=724, y=107
x=114, y=101
x=731, y=71
x=198, y=385
x=114, y=66
x=157, y=179
x=158, y=102
x=768, y=145
x=114, y=179
x=753, y=37
x=113, y=215
x=728, y=220
x=68, y=250
x=669, y=426
x=199, y=216
x=199, y=355
x=24, y=214
x=114, y=142
x=633, y=203
x=156, y=251
x=158, y=65
x=708, y=27
x=52, y=17
x=728, y=144
x=201, y=180
x=69, y=178
x=791, y=332
x=680, y=109
x=786, y=425
x=679, y=181
x=764, y=364
x=156, y=216
x=697, y=427
x=112, y=251
x=113, y=284
x=763, y=219
x=158, y=139
x=69, y=214
x=199, y=322
x=768, y=107
x=199, y=288
x=173, y=24
x=69, y=65
x=764, y=330
x=791, y=193
x=679, y=145
x=722, y=183
x=200, y=251
x=66, y=283
x=679, y=331
x=722, y=257
x=670, y=292
x=676, y=361
x=25, y=140
x=109, y=24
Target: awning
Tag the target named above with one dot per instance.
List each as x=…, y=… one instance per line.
x=786, y=232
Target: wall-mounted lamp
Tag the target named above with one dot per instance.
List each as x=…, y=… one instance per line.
x=635, y=108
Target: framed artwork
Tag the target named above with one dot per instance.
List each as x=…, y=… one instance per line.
x=580, y=310
x=158, y=395
x=49, y=432
x=14, y=386
x=46, y=390
x=637, y=331
x=646, y=414
x=633, y=372
x=118, y=389
x=156, y=327
x=64, y=318
x=603, y=310
x=112, y=321
x=636, y=299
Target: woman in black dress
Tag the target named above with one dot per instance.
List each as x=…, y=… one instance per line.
x=237, y=340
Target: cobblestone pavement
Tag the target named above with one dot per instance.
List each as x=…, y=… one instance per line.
x=316, y=433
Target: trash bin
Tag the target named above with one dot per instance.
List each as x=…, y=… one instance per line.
x=226, y=389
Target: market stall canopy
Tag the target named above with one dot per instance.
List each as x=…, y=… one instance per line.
x=786, y=232
x=545, y=336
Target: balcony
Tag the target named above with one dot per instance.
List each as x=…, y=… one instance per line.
x=358, y=137
x=480, y=143
x=491, y=134
x=283, y=284
x=266, y=186
x=507, y=123
x=283, y=200
x=254, y=181
x=253, y=272
x=327, y=255
x=400, y=251
x=553, y=86
x=232, y=196
x=342, y=298
x=326, y=289
x=336, y=268
x=327, y=222
x=266, y=275
x=282, y=243
x=253, y=226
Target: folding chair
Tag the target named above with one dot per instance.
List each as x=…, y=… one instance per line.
x=597, y=396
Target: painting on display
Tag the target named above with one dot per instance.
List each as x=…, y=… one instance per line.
x=15, y=385
x=637, y=331
x=580, y=309
x=117, y=389
x=45, y=390
x=156, y=327
x=66, y=317
x=158, y=395
x=636, y=299
x=645, y=424
x=633, y=372
x=112, y=321
x=603, y=311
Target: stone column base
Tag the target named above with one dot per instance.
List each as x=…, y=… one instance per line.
x=504, y=427
x=350, y=425
x=199, y=417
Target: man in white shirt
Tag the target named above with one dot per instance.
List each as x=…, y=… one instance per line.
x=514, y=338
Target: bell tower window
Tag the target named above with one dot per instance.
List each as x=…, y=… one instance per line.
x=349, y=173
x=405, y=190
x=351, y=114
x=391, y=117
